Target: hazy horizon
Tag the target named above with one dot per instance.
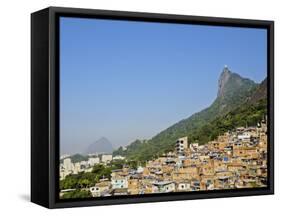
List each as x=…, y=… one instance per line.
x=127, y=80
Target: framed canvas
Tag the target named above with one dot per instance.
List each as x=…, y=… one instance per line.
x=132, y=107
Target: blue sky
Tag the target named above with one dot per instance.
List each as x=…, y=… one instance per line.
x=129, y=80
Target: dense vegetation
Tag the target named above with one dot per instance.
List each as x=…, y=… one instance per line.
x=77, y=158
x=246, y=115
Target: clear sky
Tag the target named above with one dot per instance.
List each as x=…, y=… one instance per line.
x=127, y=80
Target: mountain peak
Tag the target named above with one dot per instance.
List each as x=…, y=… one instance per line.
x=224, y=77
x=225, y=71
x=102, y=145
x=231, y=83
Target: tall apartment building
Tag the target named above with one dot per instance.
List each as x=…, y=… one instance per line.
x=181, y=145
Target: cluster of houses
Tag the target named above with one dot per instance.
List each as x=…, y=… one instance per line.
x=236, y=159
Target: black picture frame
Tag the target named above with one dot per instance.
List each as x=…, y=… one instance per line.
x=45, y=105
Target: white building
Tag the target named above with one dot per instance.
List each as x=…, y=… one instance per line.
x=77, y=168
x=181, y=145
x=106, y=158
x=67, y=164
x=245, y=136
x=93, y=160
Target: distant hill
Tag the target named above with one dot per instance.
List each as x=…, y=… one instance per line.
x=78, y=158
x=102, y=145
x=236, y=97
